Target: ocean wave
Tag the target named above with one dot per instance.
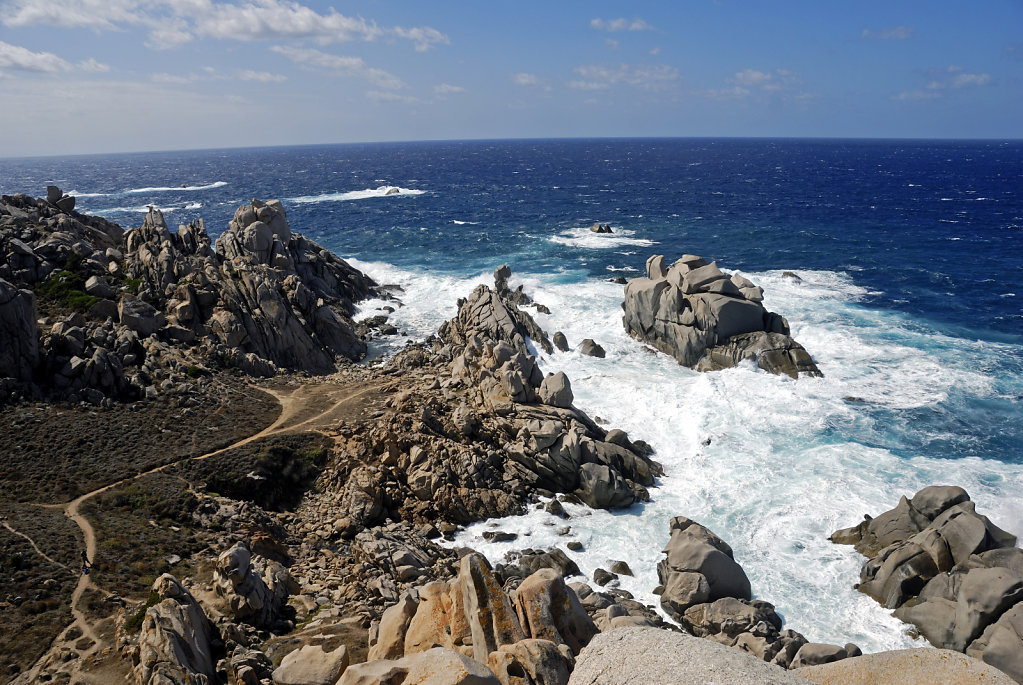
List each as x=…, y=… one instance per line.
x=381, y=191
x=165, y=189
x=456, y=222
x=587, y=239
x=153, y=189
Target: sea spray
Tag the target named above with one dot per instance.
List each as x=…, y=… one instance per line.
x=771, y=464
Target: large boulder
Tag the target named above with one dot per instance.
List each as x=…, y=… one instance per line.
x=948, y=570
x=549, y=610
x=19, y=333
x=698, y=567
x=437, y=666
x=707, y=320
x=253, y=588
x=649, y=655
x=312, y=665
x=905, y=667
x=176, y=641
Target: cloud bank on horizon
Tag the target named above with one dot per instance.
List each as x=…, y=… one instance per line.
x=119, y=75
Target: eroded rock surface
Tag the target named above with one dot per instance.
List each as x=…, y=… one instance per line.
x=949, y=571
x=176, y=642
x=704, y=588
x=707, y=319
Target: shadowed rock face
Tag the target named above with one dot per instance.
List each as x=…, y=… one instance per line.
x=175, y=642
x=709, y=320
x=266, y=291
x=264, y=298
x=947, y=570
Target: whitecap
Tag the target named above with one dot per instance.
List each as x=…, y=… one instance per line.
x=465, y=223
x=585, y=238
x=193, y=205
x=381, y=191
x=164, y=189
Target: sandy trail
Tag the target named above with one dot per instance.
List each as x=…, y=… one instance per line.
x=305, y=407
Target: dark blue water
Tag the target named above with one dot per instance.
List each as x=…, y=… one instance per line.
x=935, y=229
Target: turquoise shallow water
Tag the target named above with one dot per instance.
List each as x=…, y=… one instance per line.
x=910, y=255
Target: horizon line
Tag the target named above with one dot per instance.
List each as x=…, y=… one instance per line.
x=891, y=139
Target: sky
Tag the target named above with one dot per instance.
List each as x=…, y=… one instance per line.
x=89, y=76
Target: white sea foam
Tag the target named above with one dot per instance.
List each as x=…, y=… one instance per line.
x=166, y=189
x=153, y=189
x=585, y=238
x=771, y=464
x=465, y=223
x=381, y=191
x=193, y=205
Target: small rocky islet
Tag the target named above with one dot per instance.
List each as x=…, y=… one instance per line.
x=321, y=564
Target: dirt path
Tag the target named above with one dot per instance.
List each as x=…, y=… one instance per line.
x=305, y=407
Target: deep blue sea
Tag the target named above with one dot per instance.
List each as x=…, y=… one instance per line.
x=911, y=260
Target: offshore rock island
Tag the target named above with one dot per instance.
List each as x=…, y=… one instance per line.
x=253, y=506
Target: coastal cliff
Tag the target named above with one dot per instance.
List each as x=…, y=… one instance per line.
x=309, y=550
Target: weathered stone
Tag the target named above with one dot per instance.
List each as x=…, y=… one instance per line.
x=437, y=666
x=648, y=655
x=548, y=609
x=254, y=589
x=905, y=667
x=591, y=349
x=311, y=665
x=560, y=341
x=19, y=333
x=394, y=625
x=556, y=390
x=532, y=662
x=175, y=639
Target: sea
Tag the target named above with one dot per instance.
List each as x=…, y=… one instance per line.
x=909, y=257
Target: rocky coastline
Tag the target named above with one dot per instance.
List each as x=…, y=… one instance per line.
x=310, y=545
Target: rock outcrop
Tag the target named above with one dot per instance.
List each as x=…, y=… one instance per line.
x=176, y=642
x=947, y=570
x=19, y=334
x=265, y=299
x=254, y=589
x=536, y=630
x=704, y=588
x=708, y=320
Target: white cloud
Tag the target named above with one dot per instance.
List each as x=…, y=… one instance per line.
x=526, y=79
x=173, y=79
x=915, y=95
x=940, y=80
x=173, y=22
x=23, y=59
x=423, y=37
x=92, y=66
x=447, y=89
x=768, y=81
x=340, y=65
x=656, y=50
x=261, y=76
x=620, y=24
x=751, y=77
x=733, y=93
x=378, y=96
x=894, y=33
x=599, y=77
x=611, y=43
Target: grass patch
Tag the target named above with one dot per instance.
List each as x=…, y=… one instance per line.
x=52, y=454
x=66, y=288
x=138, y=526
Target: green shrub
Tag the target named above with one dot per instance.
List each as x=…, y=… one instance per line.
x=135, y=622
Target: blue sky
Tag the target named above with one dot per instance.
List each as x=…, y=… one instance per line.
x=81, y=76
